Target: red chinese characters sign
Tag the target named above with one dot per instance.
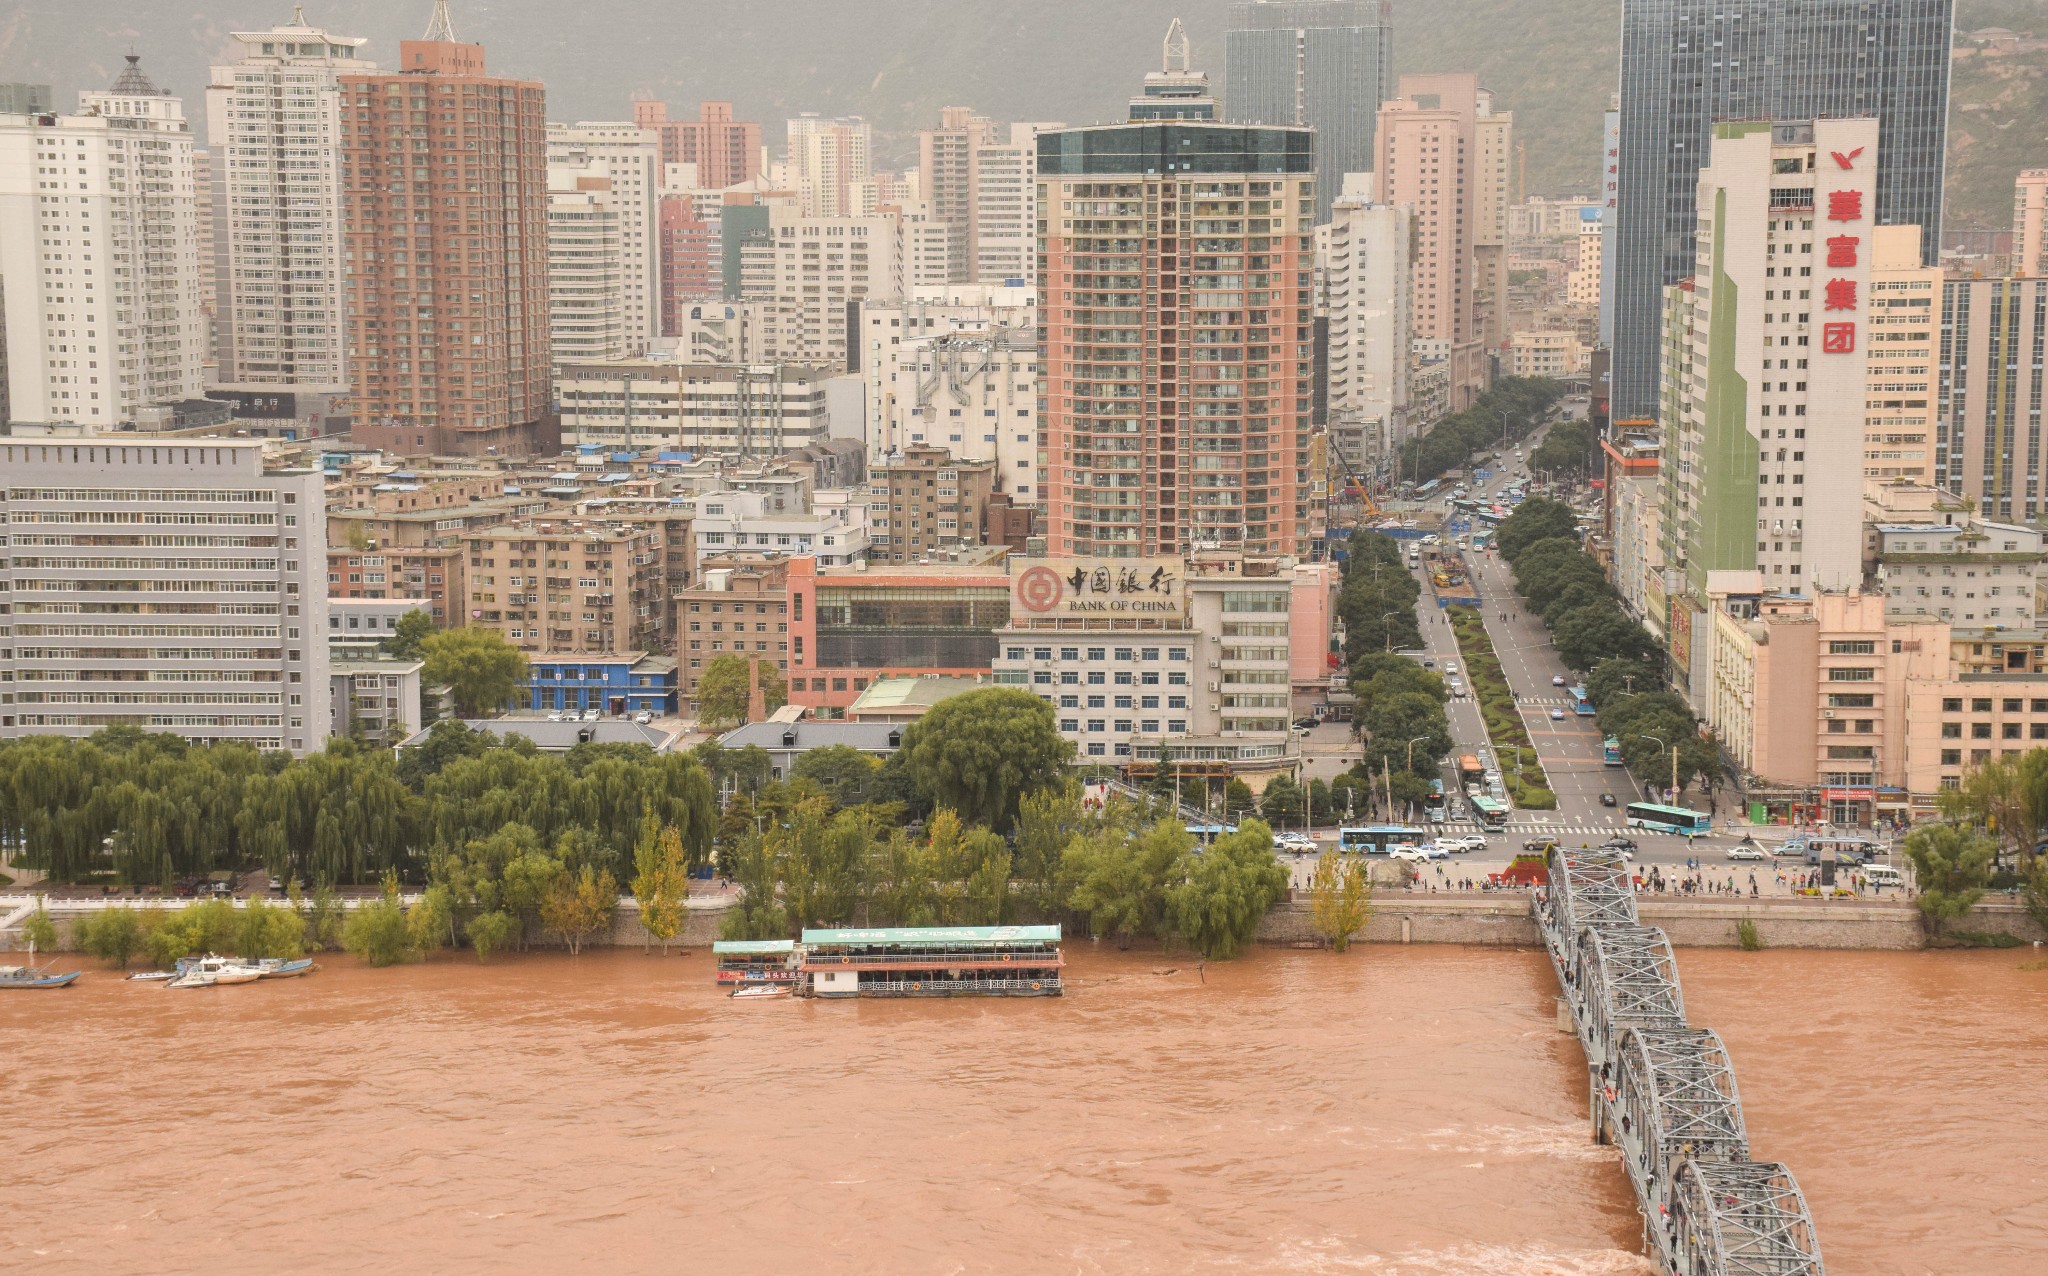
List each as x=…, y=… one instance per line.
x=1839, y=337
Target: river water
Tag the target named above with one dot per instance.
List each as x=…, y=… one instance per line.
x=1398, y=1111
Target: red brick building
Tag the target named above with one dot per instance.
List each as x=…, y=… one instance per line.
x=692, y=267
x=726, y=151
x=445, y=256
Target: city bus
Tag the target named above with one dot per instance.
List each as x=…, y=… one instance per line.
x=1376, y=839
x=1471, y=776
x=1433, y=804
x=1429, y=489
x=1580, y=704
x=1492, y=815
x=1610, y=751
x=1669, y=819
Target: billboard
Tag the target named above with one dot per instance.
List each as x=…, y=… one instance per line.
x=1066, y=588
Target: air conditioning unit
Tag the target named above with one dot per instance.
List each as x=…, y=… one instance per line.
x=1827, y=713
x=1215, y=664
x=1214, y=687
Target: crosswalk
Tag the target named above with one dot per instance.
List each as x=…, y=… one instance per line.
x=1560, y=826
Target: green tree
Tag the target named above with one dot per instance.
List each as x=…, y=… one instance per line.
x=268, y=930
x=1046, y=822
x=377, y=932
x=431, y=919
x=980, y=752
x=2009, y=796
x=845, y=773
x=408, y=639
x=490, y=932
x=1538, y=518
x=39, y=931
x=1237, y=799
x=1119, y=881
x=723, y=695
x=480, y=669
x=1280, y=802
x=1224, y=889
x=113, y=935
x=1952, y=868
x=756, y=912
x=1590, y=634
x=1340, y=898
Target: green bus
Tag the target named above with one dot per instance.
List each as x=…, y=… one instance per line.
x=1669, y=819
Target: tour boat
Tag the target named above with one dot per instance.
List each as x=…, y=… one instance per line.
x=760, y=990
x=34, y=977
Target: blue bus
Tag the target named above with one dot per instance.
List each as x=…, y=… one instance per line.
x=1580, y=705
x=1610, y=751
x=1377, y=839
x=1429, y=489
x=1669, y=819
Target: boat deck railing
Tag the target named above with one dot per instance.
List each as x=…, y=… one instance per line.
x=932, y=987
x=921, y=958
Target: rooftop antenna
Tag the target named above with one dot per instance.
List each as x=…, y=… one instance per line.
x=298, y=15
x=1176, y=47
x=442, y=27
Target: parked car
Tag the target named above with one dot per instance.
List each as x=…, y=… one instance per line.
x=643, y=717
x=556, y=716
x=1307, y=723
x=1745, y=853
x=1607, y=799
x=592, y=715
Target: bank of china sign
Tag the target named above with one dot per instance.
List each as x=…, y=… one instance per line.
x=1060, y=588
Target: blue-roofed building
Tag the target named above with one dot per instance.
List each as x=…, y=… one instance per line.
x=634, y=682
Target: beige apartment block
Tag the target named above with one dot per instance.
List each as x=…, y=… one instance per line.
x=570, y=587
x=1903, y=375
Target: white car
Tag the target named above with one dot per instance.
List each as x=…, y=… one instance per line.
x=1471, y=842
x=1450, y=666
x=1407, y=852
x=1444, y=847
x=1746, y=853
x=1293, y=842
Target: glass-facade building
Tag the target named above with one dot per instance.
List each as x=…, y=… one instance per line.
x=1327, y=64
x=1688, y=63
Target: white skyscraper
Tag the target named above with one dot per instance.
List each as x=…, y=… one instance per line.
x=1006, y=206
x=631, y=157
x=273, y=124
x=586, y=271
x=828, y=159
x=1362, y=258
x=99, y=250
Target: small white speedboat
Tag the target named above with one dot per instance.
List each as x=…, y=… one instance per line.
x=210, y=970
x=759, y=991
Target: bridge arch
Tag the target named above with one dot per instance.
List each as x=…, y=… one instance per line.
x=1626, y=977
x=1741, y=1218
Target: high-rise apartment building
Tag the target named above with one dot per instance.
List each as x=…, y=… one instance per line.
x=99, y=246
x=1327, y=64
x=26, y=99
x=687, y=246
x=1764, y=417
x=806, y=269
x=1903, y=376
x=945, y=177
x=173, y=586
x=1362, y=263
x=1582, y=282
x=1988, y=441
x=1443, y=154
x=1688, y=63
x=630, y=158
x=2030, y=222
x=1005, y=249
x=1176, y=303
x=273, y=116
x=444, y=189
x=727, y=152
x=829, y=159
x=587, y=306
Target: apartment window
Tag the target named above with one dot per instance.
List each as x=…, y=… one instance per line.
x=1952, y=704
x=1951, y=730
x=2010, y=731
x=1951, y=757
x=1980, y=731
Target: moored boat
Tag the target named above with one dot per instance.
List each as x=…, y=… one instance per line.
x=35, y=977
x=204, y=972
x=759, y=992
x=280, y=968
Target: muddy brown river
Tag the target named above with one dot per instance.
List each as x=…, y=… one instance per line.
x=1400, y=1111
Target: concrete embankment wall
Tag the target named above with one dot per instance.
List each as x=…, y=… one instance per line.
x=1400, y=918
x=1505, y=919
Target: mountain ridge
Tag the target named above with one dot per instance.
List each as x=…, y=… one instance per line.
x=1552, y=62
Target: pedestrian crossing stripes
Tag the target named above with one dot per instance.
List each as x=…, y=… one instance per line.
x=1517, y=825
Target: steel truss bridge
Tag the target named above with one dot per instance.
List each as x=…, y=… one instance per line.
x=1662, y=1090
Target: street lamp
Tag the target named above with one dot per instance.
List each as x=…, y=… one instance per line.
x=1411, y=752
x=1384, y=618
x=1674, y=764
